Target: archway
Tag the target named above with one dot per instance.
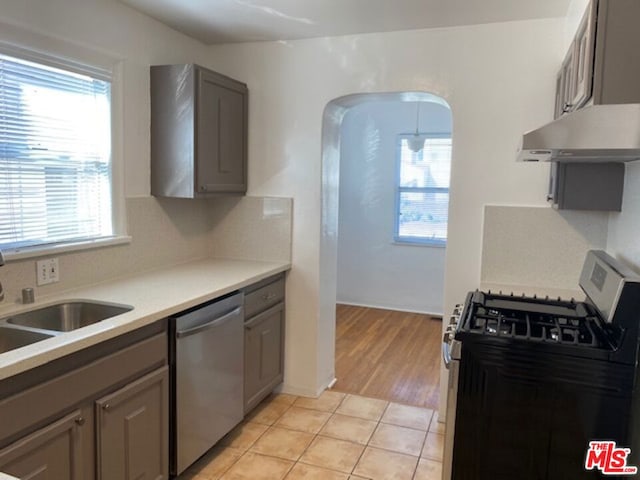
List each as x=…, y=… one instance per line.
x=334, y=116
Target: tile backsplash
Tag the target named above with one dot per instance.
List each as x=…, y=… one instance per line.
x=168, y=232
x=539, y=246
x=251, y=228
x=624, y=227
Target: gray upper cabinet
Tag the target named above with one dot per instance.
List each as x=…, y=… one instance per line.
x=586, y=186
x=598, y=68
x=199, y=123
x=583, y=51
x=616, y=72
x=565, y=85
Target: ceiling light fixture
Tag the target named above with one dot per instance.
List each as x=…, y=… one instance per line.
x=416, y=141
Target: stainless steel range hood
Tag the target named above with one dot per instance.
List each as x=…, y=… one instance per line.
x=598, y=133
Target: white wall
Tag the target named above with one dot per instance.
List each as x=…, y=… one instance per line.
x=499, y=81
x=372, y=269
x=177, y=230
x=624, y=227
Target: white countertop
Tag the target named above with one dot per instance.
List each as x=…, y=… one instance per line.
x=154, y=295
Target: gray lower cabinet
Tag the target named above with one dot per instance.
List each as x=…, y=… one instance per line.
x=52, y=452
x=101, y=413
x=263, y=340
x=263, y=355
x=131, y=429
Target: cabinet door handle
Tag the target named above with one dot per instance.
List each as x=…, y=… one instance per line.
x=106, y=407
x=268, y=296
x=80, y=421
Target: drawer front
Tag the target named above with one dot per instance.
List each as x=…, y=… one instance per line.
x=264, y=297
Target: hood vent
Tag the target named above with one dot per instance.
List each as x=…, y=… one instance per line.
x=598, y=133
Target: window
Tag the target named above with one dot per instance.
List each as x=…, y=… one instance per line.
x=422, y=191
x=55, y=156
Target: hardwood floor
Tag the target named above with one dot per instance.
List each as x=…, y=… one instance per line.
x=390, y=355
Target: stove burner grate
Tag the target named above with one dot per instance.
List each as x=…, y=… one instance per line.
x=566, y=323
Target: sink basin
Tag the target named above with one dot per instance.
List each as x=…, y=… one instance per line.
x=64, y=317
x=12, y=338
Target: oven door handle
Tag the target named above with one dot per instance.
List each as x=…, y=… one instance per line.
x=446, y=351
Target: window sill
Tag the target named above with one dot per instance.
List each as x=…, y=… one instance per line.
x=409, y=243
x=47, y=250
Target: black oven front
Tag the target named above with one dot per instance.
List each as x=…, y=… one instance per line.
x=535, y=380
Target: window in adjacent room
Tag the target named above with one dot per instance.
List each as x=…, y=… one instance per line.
x=422, y=190
x=55, y=155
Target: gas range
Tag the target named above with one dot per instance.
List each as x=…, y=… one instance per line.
x=537, y=378
x=605, y=325
x=576, y=326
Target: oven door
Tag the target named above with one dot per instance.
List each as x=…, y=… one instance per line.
x=451, y=349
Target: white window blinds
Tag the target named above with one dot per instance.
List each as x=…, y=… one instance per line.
x=423, y=191
x=55, y=156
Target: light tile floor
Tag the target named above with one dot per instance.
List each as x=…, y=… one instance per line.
x=334, y=437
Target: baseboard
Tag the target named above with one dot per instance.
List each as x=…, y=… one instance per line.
x=300, y=392
x=306, y=392
x=384, y=307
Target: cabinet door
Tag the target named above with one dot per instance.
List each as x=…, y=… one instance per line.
x=559, y=107
x=53, y=452
x=584, y=45
x=588, y=186
x=538, y=410
x=567, y=83
x=132, y=430
x=221, y=136
x=264, y=355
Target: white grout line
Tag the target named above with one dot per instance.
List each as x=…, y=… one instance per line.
x=318, y=434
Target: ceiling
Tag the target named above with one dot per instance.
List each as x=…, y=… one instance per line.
x=230, y=21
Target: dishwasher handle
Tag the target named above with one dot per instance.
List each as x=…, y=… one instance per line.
x=212, y=324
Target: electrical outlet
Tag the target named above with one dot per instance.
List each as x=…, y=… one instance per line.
x=47, y=271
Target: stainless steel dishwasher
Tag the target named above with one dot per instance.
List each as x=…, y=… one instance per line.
x=208, y=366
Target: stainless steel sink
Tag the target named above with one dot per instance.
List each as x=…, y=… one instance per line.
x=64, y=317
x=12, y=338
